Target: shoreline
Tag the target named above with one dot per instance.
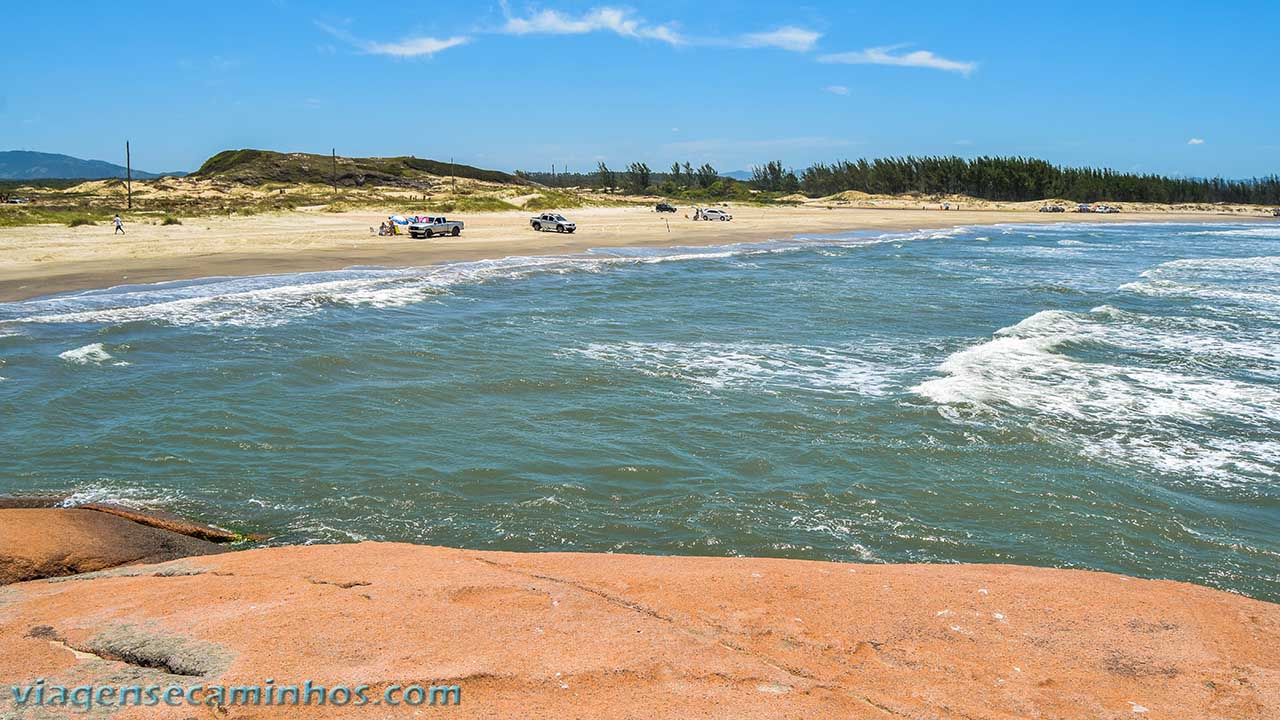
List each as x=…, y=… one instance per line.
x=50, y=260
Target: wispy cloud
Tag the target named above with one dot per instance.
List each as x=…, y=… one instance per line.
x=415, y=47
x=1196, y=141
x=421, y=46
x=837, y=89
x=619, y=21
x=886, y=56
x=789, y=37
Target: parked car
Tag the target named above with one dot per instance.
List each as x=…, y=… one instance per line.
x=1106, y=209
x=431, y=226
x=711, y=214
x=1084, y=207
x=552, y=221
x=665, y=207
x=1276, y=212
x=1053, y=208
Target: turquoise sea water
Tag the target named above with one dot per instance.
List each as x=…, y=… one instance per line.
x=1092, y=396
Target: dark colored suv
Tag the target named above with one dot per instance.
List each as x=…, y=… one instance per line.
x=665, y=207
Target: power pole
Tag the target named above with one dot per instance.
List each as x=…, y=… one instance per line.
x=453, y=178
x=128, y=173
x=334, y=152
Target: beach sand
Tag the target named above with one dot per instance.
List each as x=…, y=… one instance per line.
x=47, y=259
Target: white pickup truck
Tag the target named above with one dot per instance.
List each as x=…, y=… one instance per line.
x=431, y=226
x=552, y=221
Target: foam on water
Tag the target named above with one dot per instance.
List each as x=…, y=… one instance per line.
x=92, y=354
x=774, y=368
x=1133, y=387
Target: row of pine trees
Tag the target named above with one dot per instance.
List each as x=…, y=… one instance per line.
x=1018, y=178
x=988, y=178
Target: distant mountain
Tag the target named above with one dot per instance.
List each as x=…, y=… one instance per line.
x=737, y=174
x=28, y=165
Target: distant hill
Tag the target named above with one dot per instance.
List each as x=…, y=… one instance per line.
x=29, y=165
x=255, y=167
x=737, y=174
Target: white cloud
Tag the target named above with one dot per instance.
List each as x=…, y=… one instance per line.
x=837, y=89
x=619, y=21
x=964, y=142
x=1196, y=141
x=885, y=56
x=789, y=37
x=414, y=47
x=407, y=48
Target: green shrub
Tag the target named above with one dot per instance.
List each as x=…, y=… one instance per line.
x=171, y=221
x=552, y=200
x=77, y=222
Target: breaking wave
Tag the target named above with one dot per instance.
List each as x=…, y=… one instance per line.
x=1144, y=389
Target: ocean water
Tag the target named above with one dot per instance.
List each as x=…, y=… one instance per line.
x=1085, y=396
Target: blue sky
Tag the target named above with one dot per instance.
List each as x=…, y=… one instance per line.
x=1170, y=87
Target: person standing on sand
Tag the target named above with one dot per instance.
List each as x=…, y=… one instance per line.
x=119, y=225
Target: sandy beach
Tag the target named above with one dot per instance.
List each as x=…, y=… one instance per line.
x=48, y=259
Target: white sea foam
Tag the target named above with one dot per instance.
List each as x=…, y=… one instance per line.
x=1248, y=287
x=93, y=354
x=1139, y=414
x=772, y=367
x=1246, y=231
x=117, y=493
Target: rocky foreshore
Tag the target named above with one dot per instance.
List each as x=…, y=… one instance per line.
x=577, y=635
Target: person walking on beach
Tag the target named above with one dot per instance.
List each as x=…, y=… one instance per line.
x=119, y=225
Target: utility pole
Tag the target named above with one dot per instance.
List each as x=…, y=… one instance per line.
x=128, y=173
x=334, y=152
x=453, y=178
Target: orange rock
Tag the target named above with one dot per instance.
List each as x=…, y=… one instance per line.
x=165, y=521
x=560, y=635
x=47, y=542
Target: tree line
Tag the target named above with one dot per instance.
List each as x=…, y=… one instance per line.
x=988, y=178
x=680, y=180
x=1018, y=178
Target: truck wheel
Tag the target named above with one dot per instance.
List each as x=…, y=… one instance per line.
x=537, y=226
x=426, y=234
x=559, y=228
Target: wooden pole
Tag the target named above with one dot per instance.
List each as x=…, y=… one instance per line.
x=453, y=178
x=128, y=173
x=334, y=176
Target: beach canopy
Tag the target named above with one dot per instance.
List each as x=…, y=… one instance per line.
x=397, y=219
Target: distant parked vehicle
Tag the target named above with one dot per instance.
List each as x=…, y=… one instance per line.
x=711, y=214
x=1276, y=212
x=1053, y=208
x=1106, y=209
x=431, y=226
x=16, y=201
x=1084, y=207
x=665, y=207
x=552, y=221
